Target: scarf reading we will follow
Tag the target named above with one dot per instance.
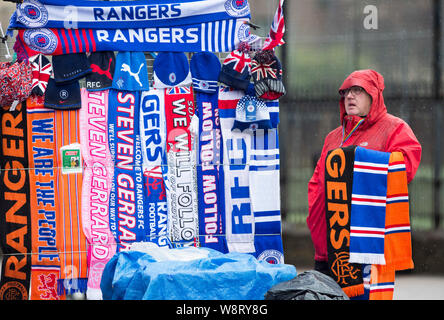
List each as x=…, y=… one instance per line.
x=338, y=190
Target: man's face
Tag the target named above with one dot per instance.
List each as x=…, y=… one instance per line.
x=357, y=101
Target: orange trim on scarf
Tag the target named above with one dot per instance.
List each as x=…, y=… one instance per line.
x=398, y=244
x=382, y=283
x=73, y=247
x=45, y=267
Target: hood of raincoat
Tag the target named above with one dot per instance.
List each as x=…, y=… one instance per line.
x=373, y=84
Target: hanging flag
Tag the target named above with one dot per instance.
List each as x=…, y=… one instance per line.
x=277, y=30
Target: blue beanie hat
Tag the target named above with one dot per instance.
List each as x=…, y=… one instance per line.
x=65, y=96
x=171, y=69
x=205, y=68
x=70, y=67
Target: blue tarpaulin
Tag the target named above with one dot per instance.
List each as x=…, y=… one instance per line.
x=135, y=275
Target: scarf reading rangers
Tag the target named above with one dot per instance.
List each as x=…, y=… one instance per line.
x=338, y=190
x=15, y=225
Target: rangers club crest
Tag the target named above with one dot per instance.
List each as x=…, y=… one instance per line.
x=237, y=8
x=32, y=14
x=41, y=40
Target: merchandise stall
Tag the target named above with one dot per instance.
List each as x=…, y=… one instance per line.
x=140, y=142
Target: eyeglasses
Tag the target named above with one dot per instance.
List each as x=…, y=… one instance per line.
x=355, y=90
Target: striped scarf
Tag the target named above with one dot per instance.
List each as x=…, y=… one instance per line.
x=70, y=236
x=398, y=242
x=367, y=222
x=45, y=268
x=218, y=36
x=265, y=202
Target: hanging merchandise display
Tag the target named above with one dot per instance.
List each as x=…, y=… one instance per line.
x=106, y=151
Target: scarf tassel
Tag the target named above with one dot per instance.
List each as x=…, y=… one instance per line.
x=70, y=286
x=354, y=291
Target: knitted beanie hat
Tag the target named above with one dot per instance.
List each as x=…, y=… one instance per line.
x=171, y=69
x=236, y=69
x=64, y=96
x=70, y=67
x=205, y=68
x=131, y=71
x=267, y=75
x=41, y=72
x=103, y=64
x=251, y=112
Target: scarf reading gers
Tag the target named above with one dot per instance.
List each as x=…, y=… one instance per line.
x=15, y=224
x=338, y=184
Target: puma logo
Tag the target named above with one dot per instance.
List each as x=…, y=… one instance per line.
x=95, y=68
x=126, y=68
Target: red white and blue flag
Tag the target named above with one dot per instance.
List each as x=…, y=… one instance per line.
x=277, y=30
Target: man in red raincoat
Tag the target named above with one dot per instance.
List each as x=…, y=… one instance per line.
x=361, y=98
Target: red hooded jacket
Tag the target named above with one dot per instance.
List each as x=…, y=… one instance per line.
x=380, y=131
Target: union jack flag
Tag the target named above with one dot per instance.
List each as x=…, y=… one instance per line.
x=41, y=72
x=178, y=90
x=260, y=71
x=277, y=30
x=241, y=61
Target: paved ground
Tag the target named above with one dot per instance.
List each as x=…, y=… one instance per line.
x=419, y=287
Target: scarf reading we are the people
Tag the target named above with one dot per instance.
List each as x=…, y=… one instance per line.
x=70, y=236
x=97, y=176
x=153, y=140
x=15, y=220
x=181, y=187
x=218, y=36
x=124, y=14
x=127, y=215
x=338, y=190
x=45, y=270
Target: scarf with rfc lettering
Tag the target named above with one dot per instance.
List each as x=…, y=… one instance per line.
x=338, y=184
